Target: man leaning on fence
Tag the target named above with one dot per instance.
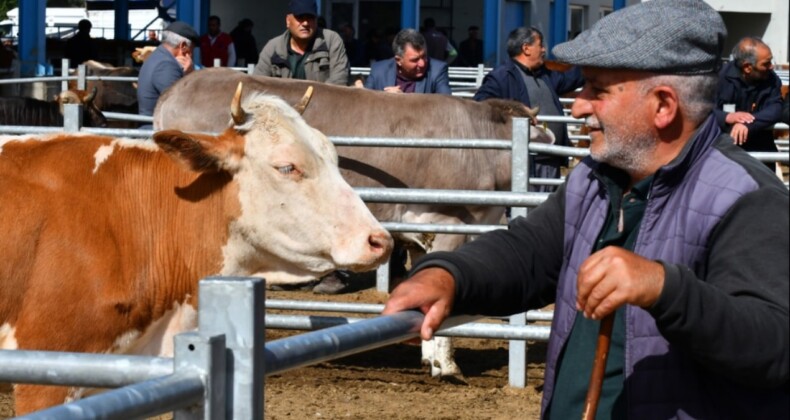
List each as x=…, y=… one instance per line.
x=667, y=228
x=749, y=102
x=526, y=79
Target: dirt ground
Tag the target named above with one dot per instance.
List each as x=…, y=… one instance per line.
x=391, y=382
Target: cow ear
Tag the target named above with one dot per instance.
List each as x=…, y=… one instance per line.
x=202, y=152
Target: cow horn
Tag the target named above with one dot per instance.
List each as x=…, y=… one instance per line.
x=300, y=107
x=236, y=111
x=532, y=113
x=91, y=95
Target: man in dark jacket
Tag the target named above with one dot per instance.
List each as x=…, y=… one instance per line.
x=525, y=78
x=244, y=42
x=749, y=102
x=668, y=232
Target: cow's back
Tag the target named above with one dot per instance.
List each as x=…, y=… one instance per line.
x=354, y=112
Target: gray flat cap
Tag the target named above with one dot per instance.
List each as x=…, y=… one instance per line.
x=660, y=36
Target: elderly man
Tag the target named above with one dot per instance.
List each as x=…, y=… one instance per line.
x=526, y=79
x=667, y=229
x=305, y=51
x=411, y=70
x=750, y=99
x=171, y=60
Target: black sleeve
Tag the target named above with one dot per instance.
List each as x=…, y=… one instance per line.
x=508, y=271
x=734, y=319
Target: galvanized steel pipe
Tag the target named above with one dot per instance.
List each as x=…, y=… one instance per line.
x=468, y=330
x=343, y=340
x=144, y=399
x=80, y=369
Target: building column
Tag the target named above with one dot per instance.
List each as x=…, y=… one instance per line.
x=122, y=20
x=193, y=12
x=559, y=23
x=491, y=32
x=410, y=14
x=32, y=45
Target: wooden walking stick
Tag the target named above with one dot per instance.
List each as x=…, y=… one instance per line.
x=599, y=366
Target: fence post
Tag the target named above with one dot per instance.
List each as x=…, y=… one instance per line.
x=517, y=349
x=481, y=73
x=64, y=73
x=207, y=354
x=81, y=82
x=235, y=306
x=72, y=117
x=217, y=62
x=383, y=277
x=250, y=68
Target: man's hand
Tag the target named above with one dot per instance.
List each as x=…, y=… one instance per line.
x=613, y=277
x=431, y=291
x=739, y=117
x=393, y=89
x=185, y=61
x=739, y=133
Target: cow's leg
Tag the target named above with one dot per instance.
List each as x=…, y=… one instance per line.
x=438, y=353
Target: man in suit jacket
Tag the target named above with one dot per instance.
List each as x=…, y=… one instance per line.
x=411, y=70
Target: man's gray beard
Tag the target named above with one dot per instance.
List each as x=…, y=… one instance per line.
x=630, y=152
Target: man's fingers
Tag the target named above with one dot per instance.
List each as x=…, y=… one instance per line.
x=599, y=301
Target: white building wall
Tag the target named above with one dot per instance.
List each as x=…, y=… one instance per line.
x=767, y=19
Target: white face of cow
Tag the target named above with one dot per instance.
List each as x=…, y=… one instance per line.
x=299, y=219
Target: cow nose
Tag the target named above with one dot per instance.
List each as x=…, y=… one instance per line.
x=381, y=243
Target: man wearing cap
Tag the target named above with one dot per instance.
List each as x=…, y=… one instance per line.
x=171, y=60
x=304, y=51
x=667, y=226
x=749, y=101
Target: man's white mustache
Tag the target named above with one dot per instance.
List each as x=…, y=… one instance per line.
x=592, y=122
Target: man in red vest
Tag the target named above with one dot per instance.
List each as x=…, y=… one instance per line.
x=216, y=44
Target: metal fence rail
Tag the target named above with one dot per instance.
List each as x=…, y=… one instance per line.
x=217, y=372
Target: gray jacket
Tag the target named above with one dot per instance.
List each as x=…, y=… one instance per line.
x=326, y=62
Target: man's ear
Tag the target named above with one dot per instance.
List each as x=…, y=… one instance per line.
x=747, y=68
x=667, y=106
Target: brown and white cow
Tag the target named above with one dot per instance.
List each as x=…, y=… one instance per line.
x=348, y=111
x=104, y=240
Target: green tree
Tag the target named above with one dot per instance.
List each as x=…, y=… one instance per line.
x=5, y=6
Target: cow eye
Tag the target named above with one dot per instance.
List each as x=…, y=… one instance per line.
x=286, y=169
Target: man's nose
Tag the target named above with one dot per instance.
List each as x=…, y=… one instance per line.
x=581, y=106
